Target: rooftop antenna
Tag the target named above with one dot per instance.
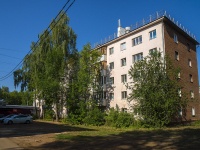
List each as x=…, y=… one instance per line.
x=119, y=23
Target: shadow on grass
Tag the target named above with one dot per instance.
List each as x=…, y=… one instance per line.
x=184, y=138
x=36, y=128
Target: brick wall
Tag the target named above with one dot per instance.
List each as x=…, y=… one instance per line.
x=182, y=48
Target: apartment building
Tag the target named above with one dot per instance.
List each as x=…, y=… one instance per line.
x=162, y=33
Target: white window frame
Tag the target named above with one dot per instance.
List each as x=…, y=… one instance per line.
x=179, y=75
x=153, y=50
x=175, y=38
x=192, y=94
x=179, y=93
x=111, y=65
x=123, y=62
x=124, y=94
x=191, y=78
x=124, y=78
x=152, y=34
x=111, y=50
x=112, y=80
x=177, y=56
x=137, y=40
x=193, y=111
x=123, y=46
x=137, y=57
x=190, y=62
x=111, y=96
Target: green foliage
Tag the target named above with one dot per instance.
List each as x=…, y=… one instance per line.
x=155, y=90
x=119, y=119
x=15, y=97
x=94, y=117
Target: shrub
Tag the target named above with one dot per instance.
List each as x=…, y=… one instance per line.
x=95, y=117
x=119, y=119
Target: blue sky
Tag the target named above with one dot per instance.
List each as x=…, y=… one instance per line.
x=92, y=20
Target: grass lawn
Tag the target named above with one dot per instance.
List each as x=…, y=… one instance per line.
x=187, y=137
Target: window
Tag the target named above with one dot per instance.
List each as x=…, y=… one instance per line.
x=124, y=94
x=103, y=80
x=190, y=62
x=111, y=65
x=112, y=80
x=180, y=112
x=179, y=75
x=137, y=40
x=179, y=92
x=123, y=46
x=137, y=57
x=175, y=38
x=188, y=47
x=193, y=111
x=111, y=50
x=124, y=110
x=124, y=78
x=152, y=34
x=191, y=78
x=123, y=62
x=111, y=95
x=176, y=55
x=153, y=50
x=192, y=94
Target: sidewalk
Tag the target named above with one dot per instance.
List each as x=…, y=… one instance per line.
x=7, y=144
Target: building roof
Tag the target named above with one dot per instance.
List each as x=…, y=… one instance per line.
x=153, y=19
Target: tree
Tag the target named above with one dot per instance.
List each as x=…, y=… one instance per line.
x=155, y=90
x=82, y=88
x=43, y=70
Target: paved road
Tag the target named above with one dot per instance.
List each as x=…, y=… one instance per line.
x=7, y=144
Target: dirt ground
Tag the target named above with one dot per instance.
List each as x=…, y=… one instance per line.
x=41, y=136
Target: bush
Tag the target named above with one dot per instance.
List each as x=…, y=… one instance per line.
x=119, y=119
x=95, y=117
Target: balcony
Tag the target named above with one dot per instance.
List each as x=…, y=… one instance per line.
x=102, y=102
x=103, y=72
x=103, y=58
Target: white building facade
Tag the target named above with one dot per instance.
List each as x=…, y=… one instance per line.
x=159, y=33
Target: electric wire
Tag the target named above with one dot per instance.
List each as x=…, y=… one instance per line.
x=32, y=49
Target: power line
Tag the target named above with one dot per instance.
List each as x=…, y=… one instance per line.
x=45, y=35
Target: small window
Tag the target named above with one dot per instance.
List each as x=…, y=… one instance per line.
x=181, y=112
x=112, y=80
x=191, y=78
x=175, y=38
x=193, y=112
x=192, y=94
x=190, y=62
x=124, y=94
x=123, y=46
x=111, y=65
x=176, y=55
x=137, y=40
x=179, y=75
x=103, y=80
x=111, y=50
x=111, y=95
x=179, y=92
x=188, y=47
x=137, y=57
x=124, y=110
x=152, y=34
x=153, y=50
x=123, y=62
x=124, y=78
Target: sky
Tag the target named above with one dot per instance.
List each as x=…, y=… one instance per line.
x=22, y=21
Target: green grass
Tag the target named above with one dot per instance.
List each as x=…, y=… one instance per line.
x=181, y=137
